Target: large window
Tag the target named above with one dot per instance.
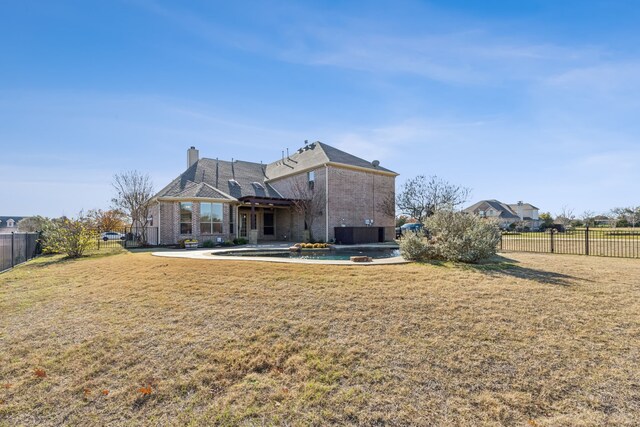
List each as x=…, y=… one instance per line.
x=186, y=213
x=210, y=218
x=269, y=227
x=232, y=229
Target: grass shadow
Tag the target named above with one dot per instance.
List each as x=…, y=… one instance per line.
x=500, y=266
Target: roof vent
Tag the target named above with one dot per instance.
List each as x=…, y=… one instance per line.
x=375, y=163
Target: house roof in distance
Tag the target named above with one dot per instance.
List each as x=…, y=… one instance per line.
x=319, y=154
x=504, y=209
x=4, y=219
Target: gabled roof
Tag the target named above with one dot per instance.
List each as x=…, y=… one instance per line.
x=315, y=155
x=505, y=211
x=220, y=179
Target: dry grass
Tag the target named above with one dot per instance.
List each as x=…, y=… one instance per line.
x=542, y=340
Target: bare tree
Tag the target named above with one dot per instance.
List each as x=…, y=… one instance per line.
x=565, y=216
x=134, y=191
x=588, y=218
x=308, y=201
x=387, y=206
x=422, y=196
x=631, y=214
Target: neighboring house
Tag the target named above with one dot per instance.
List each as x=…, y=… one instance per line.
x=9, y=224
x=216, y=199
x=507, y=214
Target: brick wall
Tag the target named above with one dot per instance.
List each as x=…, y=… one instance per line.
x=287, y=187
x=358, y=195
x=353, y=197
x=170, y=224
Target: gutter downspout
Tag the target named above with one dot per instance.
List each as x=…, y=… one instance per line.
x=326, y=203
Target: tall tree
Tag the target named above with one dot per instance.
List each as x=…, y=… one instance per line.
x=547, y=220
x=133, y=194
x=422, y=196
x=108, y=220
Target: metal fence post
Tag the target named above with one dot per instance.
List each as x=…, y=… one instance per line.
x=13, y=241
x=552, y=232
x=586, y=240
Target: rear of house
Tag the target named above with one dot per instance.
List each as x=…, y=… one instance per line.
x=221, y=200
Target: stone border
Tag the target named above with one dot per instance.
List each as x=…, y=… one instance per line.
x=207, y=254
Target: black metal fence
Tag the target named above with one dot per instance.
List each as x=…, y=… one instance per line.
x=129, y=237
x=16, y=248
x=608, y=242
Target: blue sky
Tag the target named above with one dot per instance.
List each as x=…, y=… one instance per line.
x=519, y=100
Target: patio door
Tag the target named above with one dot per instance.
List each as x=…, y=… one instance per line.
x=244, y=218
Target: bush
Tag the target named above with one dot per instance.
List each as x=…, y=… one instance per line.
x=208, y=244
x=240, y=241
x=454, y=236
x=70, y=236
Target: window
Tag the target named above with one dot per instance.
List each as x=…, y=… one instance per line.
x=311, y=178
x=210, y=218
x=268, y=228
x=186, y=210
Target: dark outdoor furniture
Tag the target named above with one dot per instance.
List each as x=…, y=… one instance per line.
x=358, y=235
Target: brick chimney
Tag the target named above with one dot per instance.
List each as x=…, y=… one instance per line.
x=192, y=156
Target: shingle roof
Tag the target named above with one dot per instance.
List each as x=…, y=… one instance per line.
x=219, y=179
x=505, y=210
x=4, y=219
x=212, y=178
x=514, y=206
x=315, y=155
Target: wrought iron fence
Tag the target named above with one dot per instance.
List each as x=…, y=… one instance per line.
x=608, y=242
x=128, y=237
x=16, y=248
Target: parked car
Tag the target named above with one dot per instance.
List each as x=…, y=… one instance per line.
x=415, y=227
x=112, y=235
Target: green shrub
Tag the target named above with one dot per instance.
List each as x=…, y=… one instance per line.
x=70, y=236
x=208, y=244
x=454, y=236
x=240, y=241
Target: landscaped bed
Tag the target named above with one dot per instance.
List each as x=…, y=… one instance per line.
x=135, y=339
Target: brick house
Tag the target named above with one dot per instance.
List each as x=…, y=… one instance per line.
x=507, y=214
x=221, y=200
